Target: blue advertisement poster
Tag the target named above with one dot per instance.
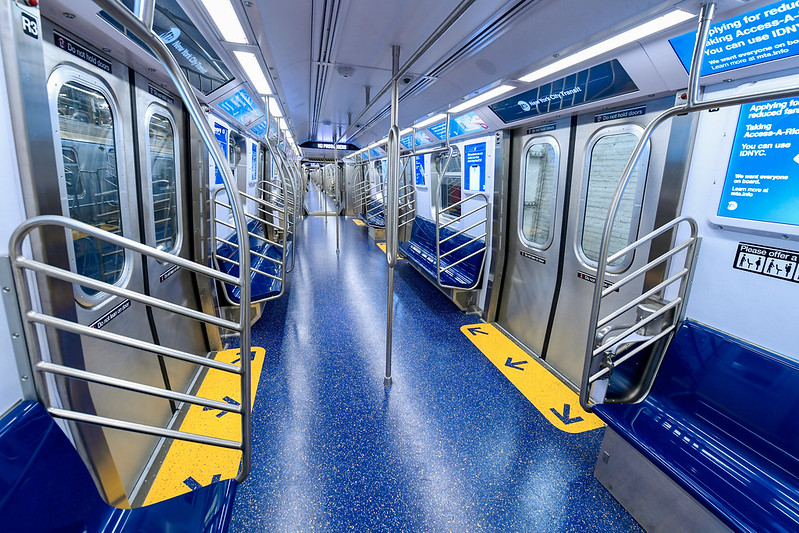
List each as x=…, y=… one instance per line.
x=418, y=162
x=475, y=156
x=407, y=141
x=762, y=181
x=590, y=85
x=220, y=132
x=468, y=123
x=241, y=107
x=761, y=35
x=254, y=171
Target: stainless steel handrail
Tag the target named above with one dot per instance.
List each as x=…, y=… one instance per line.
x=273, y=210
x=21, y=265
x=693, y=104
x=141, y=27
x=439, y=226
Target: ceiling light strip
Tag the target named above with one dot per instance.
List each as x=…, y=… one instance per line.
x=639, y=32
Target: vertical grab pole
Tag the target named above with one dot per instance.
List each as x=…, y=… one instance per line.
x=705, y=19
x=392, y=207
x=335, y=176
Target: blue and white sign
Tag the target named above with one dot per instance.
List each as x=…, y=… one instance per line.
x=221, y=134
x=418, y=163
x=254, y=169
x=462, y=125
x=422, y=138
x=407, y=141
x=475, y=156
x=590, y=85
x=762, y=181
x=259, y=129
x=761, y=35
x=241, y=107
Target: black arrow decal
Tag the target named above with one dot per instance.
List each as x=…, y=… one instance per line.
x=475, y=330
x=515, y=364
x=565, y=418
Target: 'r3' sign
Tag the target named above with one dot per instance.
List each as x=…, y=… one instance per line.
x=30, y=25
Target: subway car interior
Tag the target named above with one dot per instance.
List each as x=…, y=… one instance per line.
x=371, y=265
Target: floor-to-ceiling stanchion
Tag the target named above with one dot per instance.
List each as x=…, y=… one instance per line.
x=337, y=191
x=392, y=208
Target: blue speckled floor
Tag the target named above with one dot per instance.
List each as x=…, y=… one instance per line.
x=451, y=446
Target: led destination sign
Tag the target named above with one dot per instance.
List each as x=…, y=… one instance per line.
x=590, y=85
x=761, y=35
x=762, y=181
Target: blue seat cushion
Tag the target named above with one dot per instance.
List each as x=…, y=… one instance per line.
x=262, y=286
x=421, y=249
x=721, y=421
x=44, y=486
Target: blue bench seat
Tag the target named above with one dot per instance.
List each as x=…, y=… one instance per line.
x=44, y=486
x=262, y=287
x=421, y=250
x=722, y=421
x=377, y=219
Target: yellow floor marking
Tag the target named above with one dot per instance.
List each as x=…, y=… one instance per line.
x=188, y=465
x=557, y=402
x=359, y=222
x=382, y=246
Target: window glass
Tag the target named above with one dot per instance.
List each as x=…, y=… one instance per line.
x=90, y=170
x=538, y=206
x=607, y=159
x=163, y=177
x=450, y=181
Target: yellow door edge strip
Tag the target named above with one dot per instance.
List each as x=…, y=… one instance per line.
x=553, y=398
x=188, y=465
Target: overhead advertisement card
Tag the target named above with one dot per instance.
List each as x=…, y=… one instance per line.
x=761, y=35
x=590, y=85
x=762, y=181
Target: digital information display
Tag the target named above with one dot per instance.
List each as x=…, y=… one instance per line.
x=241, y=107
x=590, y=85
x=762, y=182
x=475, y=155
x=761, y=35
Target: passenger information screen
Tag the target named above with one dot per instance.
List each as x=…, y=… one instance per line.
x=762, y=181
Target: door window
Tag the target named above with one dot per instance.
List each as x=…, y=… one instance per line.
x=88, y=148
x=163, y=179
x=539, y=191
x=607, y=156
